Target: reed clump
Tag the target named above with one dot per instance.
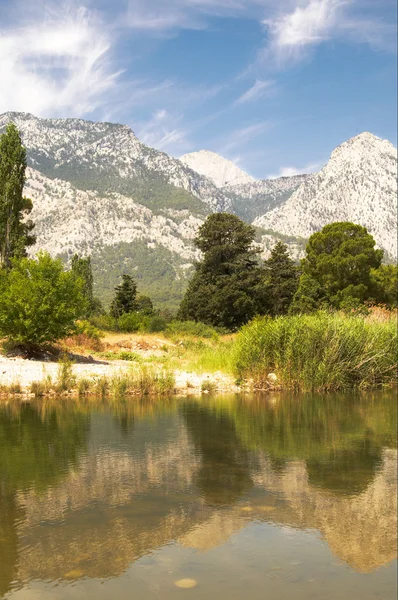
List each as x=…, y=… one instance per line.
x=66, y=379
x=321, y=351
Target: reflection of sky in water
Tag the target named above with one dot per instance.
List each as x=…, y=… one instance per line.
x=138, y=499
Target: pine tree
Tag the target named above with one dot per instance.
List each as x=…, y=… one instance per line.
x=281, y=280
x=82, y=268
x=15, y=230
x=228, y=284
x=125, y=300
x=337, y=268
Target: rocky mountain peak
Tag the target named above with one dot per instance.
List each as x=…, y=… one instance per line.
x=221, y=171
x=358, y=184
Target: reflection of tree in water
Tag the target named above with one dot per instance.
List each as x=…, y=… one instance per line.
x=347, y=471
x=125, y=423
x=9, y=515
x=224, y=475
x=36, y=451
x=339, y=437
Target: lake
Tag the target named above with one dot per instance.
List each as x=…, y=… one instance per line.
x=259, y=497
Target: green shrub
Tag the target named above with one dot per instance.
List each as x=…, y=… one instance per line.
x=191, y=328
x=66, y=379
x=132, y=322
x=104, y=322
x=322, y=351
x=126, y=355
x=39, y=301
x=148, y=381
x=156, y=323
x=87, y=328
x=208, y=386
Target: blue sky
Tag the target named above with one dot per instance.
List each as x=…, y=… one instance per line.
x=274, y=85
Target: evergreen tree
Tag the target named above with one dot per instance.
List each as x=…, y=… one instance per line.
x=281, y=280
x=385, y=285
x=144, y=305
x=81, y=267
x=125, y=300
x=337, y=268
x=227, y=288
x=15, y=230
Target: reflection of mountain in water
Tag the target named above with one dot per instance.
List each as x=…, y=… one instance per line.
x=187, y=476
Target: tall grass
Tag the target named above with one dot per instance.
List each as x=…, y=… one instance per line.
x=322, y=351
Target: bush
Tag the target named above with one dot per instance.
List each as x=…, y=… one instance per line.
x=104, y=322
x=156, y=323
x=132, y=322
x=191, y=328
x=322, y=351
x=39, y=301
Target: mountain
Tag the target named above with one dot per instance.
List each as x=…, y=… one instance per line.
x=251, y=200
x=358, y=184
x=107, y=157
x=219, y=170
x=97, y=190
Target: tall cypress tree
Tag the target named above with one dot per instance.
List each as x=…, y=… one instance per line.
x=281, y=279
x=82, y=268
x=15, y=230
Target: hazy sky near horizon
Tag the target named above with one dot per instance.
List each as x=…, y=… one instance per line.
x=274, y=85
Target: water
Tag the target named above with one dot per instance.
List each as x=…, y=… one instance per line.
x=272, y=497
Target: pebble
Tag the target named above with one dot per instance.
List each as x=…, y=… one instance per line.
x=186, y=583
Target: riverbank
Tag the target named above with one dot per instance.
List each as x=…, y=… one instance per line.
x=122, y=364
x=319, y=352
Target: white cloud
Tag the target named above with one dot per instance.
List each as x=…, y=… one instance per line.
x=241, y=136
x=158, y=16
x=256, y=91
x=56, y=65
x=306, y=25
x=164, y=131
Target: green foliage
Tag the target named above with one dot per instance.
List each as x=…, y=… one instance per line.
x=281, y=280
x=144, y=305
x=87, y=328
x=81, y=267
x=129, y=356
x=104, y=322
x=125, y=300
x=66, y=379
x=156, y=323
x=227, y=288
x=322, y=351
x=36, y=447
x=191, y=329
x=15, y=229
x=384, y=282
x=341, y=437
x=39, y=301
x=131, y=322
x=160, y=273
x=208, y=386
x=337, y=268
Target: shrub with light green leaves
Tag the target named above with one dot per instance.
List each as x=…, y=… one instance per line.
x=39, y=300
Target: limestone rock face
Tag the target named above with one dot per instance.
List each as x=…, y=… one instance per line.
x=98, y=190
x=358, y=184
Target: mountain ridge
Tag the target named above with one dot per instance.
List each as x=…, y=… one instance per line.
x=359, y=184
x=98, y=190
